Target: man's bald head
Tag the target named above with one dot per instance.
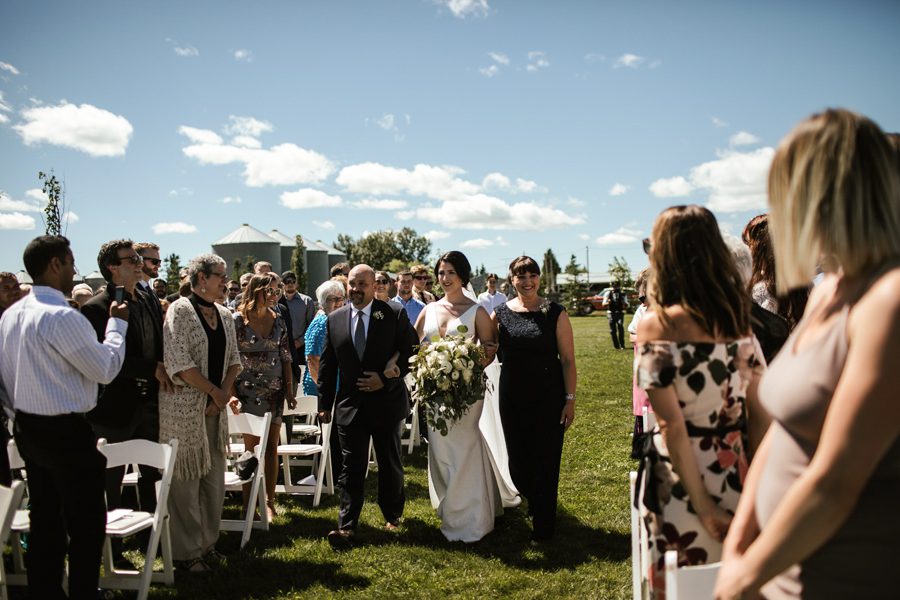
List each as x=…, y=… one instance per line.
x=362, y=285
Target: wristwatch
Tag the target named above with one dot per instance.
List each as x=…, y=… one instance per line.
x=570, y=397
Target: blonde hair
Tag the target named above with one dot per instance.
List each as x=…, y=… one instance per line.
x=834, y=191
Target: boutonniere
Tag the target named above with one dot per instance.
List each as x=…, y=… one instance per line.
x=378, y=315
x=545, y=307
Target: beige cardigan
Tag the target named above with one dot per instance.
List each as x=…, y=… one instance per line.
x=181, y=412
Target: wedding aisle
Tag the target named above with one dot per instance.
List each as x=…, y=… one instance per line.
x=590, y=557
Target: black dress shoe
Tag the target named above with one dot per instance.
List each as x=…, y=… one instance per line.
x=341, y=539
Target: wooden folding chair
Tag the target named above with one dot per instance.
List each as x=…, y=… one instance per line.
x=121, y=523
x=689, y=583
x=10, y=499
x=259, y=427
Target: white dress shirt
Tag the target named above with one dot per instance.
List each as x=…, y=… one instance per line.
x=490, y=303
x=366, y=317
x=50, y=359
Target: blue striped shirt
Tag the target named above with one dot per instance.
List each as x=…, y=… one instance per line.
x=50, y=359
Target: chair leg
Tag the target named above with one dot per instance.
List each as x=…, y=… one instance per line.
x=168, y=567
x=147, y=572
x=320, y=475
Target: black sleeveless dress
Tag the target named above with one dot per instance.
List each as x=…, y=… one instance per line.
x=532, y=396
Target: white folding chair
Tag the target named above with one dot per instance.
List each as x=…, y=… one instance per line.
x=649, y=421
x=20, y=524
x=258, y=426
x=304, y=415
x=121, y=523
x=321, y=466
x=637, y=576
x=689, y=583
x=412, y=429
x=10, y=498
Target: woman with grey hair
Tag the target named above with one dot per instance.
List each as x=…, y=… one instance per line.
x=201, y=357
x=331, y=296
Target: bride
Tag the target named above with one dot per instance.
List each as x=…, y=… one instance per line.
x=461, y=477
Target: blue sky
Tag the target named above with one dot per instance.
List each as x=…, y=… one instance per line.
x=498, y=127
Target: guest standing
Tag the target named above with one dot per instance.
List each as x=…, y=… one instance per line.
x=383, y=286
x=700, y=365
x=405, y=296
x=265, y=383
x=639, y=398
x=50, y=392
x=537, y=391
x=818, y=519
x=616, y=304
x=490, y=299
x=201, y=357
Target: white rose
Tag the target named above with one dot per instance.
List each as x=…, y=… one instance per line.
x=467, y=375
x=454, y=375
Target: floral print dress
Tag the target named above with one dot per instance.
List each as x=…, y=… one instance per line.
x=260, y=385
x=710, y=381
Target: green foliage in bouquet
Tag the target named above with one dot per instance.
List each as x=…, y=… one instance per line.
x=448, y=378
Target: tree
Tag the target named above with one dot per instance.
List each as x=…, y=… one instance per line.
x=480, y=271
x=346, y=244
x=381, y=248
x=173, y=268
x=575, y=290
x=236, y=270
x=412, y=246
x=250, y=261
x=550, y=270
x=620, y=273
x=298, y=263
x=53, y=191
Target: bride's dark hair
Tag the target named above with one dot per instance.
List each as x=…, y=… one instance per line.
x=459, y=262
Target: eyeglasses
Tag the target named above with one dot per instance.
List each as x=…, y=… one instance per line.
x=421, y=277
x=273, y=291
x=383, y=281
x=234, y=289
x=134, y=259
x=289, y=281
x=217, y=274
x=153, y=261
x=647, y=245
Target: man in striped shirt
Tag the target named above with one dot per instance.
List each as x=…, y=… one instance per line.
x=50, y=364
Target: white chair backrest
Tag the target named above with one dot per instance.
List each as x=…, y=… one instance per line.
x=649, y=421
x=249, y=424
x=142, y=452
x=689, y=583
x=306, y=405
x=10, y=499
x=636, y=575
x=15, y=459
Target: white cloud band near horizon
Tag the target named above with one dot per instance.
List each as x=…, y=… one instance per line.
x=309, y=198
x=173, y=227
x=84, y=127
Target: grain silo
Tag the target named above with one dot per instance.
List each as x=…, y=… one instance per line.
x=335, y=256
x=247, y=241
x=287, y=244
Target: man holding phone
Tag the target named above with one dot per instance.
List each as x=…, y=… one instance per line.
x=124, y=408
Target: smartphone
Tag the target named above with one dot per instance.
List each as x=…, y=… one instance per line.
x=119, y=295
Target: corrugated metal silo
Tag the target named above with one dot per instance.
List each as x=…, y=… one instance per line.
x=247, y=241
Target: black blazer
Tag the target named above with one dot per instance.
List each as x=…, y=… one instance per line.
x=339, y=367
x=118, y=401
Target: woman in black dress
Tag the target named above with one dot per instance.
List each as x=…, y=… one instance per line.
x=537, y=391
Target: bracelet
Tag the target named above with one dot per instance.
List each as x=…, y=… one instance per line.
x=570, y=397
x=212, y=386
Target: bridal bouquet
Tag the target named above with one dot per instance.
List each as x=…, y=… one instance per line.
x=448, y=378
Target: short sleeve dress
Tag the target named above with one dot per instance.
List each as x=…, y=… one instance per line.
x=260, y=385
x=710, y=381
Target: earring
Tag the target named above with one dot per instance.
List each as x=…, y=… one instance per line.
x=203, y=289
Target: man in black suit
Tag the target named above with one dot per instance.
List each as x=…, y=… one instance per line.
x=360, y=340
x=122, y=412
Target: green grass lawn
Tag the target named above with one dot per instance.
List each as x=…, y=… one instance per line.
x=590, y=557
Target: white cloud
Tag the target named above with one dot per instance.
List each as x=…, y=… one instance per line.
x=575, y=202
x=283, y=164
x=479, y=243
x=84, y=127
x=424, y=180
x=671, y=188
x=593, y=57
x=5, y=66
x=4, y=119
x=246, y=126
x=584, y=237
x=632, y=61
x=536, y=61
x=200, y=136
x=324, y=224
x=743, y=138
x=495, y=181
x=4, y=106
x=619, y=189
x=7, y=203
x=231, y=200
x=174, y=227
x=436, y=234
x=736, y=181
x=16, y=220
x=186, y=51
x=376, y=204
x=38, y=194
x=309, y=198
x=246, y=141
x=719, y=122
x=182, y=191
x=463, y=8
x=620, y=237
x=243, y=55
x=405, y=215
x=499, y=58
x=489, y=71
x=70, y=217
x=480, y=211
x=386, y=122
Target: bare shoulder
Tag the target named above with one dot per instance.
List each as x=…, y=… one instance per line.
x=650, y=328
x=880, y=304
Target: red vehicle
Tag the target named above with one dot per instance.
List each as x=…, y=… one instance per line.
x=600, y=299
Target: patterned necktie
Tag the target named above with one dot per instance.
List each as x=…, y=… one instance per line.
x=359, y=336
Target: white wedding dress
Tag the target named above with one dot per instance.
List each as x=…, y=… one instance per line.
x=465, y=485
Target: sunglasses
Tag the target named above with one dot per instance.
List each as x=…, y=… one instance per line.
x=642, y=299
x=289, y=281
x=134, y=259
x=234, y=289
x=383, y=281
x=647, y=245
x=421, y=277
x=273, y=291
x=154, y=261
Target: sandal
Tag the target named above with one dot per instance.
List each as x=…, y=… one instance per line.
x=193, y=565
x=214, y=558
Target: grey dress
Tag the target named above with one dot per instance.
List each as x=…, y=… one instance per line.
x=859, y=561
x=260, y=386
